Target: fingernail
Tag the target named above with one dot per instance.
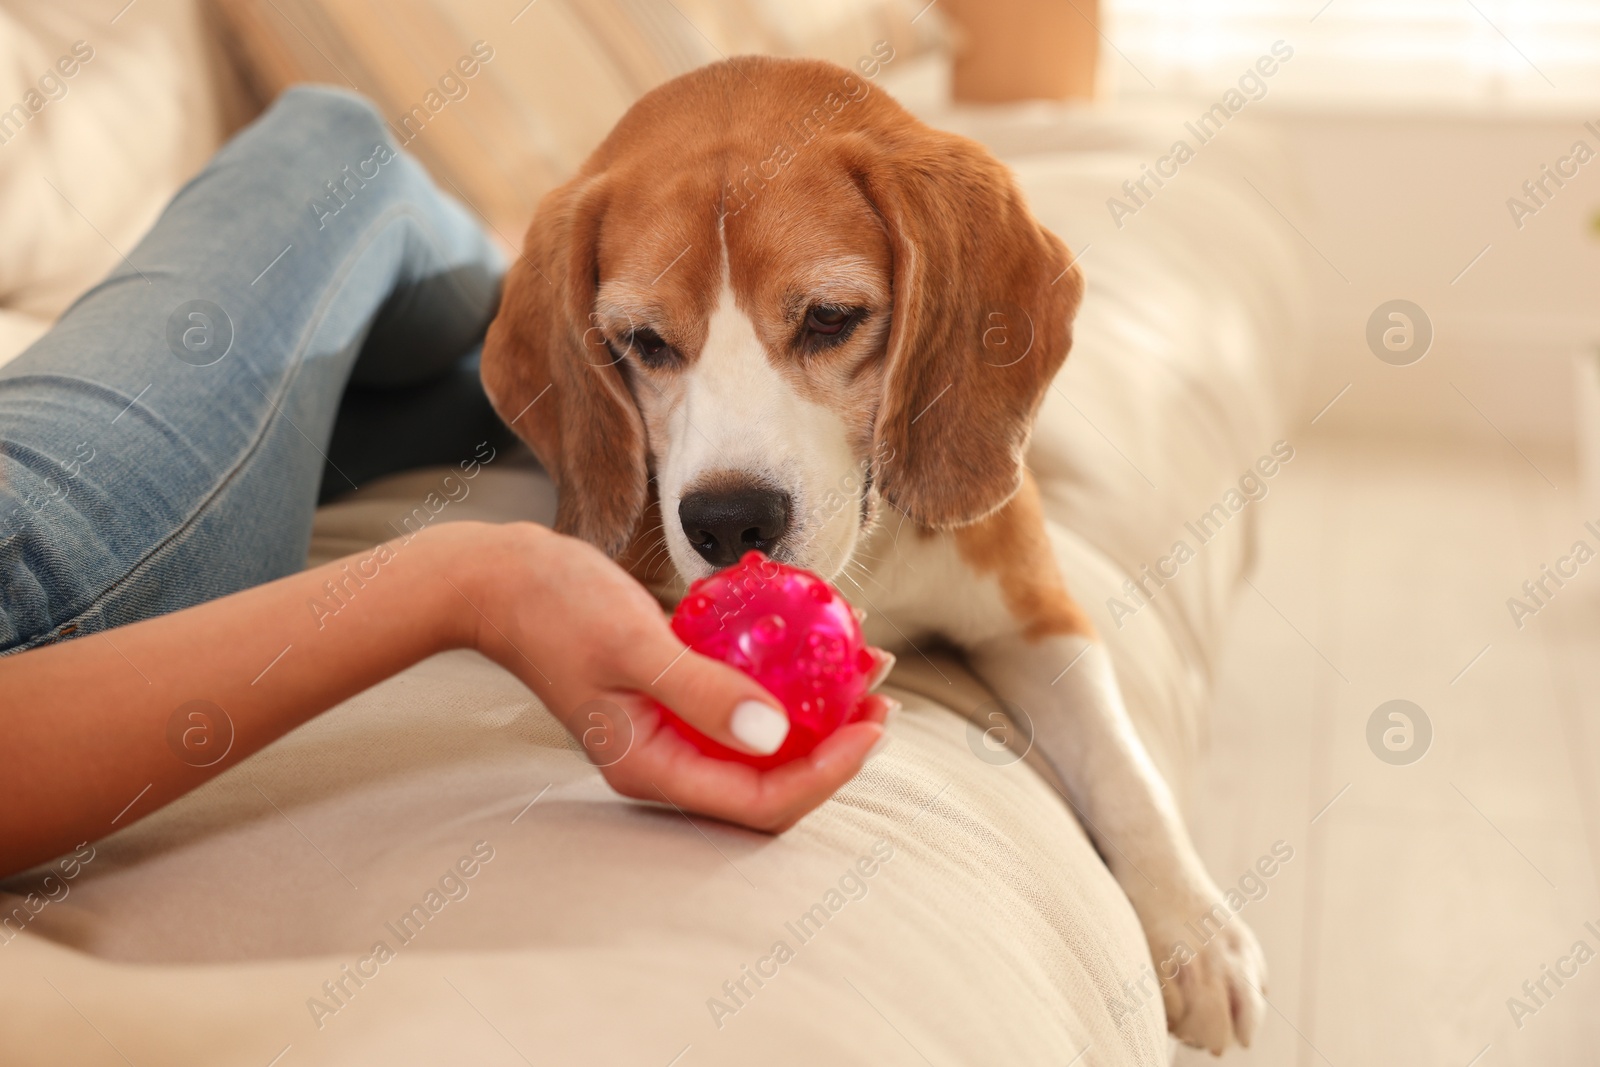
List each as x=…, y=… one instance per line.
x=759, y=727
x=885, y=665
x=877, y=746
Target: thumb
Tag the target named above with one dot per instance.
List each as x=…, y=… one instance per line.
x=720, y=701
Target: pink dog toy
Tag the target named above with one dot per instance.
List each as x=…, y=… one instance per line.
x=791, y=632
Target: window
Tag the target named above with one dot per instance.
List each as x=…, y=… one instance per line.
x=1460, y=51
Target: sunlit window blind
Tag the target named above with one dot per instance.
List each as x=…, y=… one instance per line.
x=1446, y=50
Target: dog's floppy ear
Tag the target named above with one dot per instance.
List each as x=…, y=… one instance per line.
x=984, y=298
x=550, y=376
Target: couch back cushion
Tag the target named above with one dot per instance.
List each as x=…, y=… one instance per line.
x=503, y=100
x=103, y=114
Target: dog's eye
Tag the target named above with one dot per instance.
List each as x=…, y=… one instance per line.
x=652, y=350
x=828, y=321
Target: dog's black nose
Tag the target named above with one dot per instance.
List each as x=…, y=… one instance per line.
x=724, y=525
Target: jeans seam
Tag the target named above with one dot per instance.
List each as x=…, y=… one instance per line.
x=179, y=533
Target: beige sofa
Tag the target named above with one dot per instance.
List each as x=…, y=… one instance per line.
x=944, y=908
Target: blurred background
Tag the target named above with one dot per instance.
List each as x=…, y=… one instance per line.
x=1408, y=692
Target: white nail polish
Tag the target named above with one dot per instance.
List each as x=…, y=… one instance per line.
x=882, y=672
x=759, y=727
x=877, y=746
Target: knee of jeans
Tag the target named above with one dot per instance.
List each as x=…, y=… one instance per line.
x=321, y=129
x=320, y=114
x=314, y=127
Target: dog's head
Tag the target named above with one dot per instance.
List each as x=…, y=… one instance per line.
x=784, y=300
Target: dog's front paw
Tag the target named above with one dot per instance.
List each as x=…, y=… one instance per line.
x=1213, y=989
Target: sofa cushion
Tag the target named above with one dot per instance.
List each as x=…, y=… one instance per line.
x=933, y=896
x=103, y=114
x=502, y=108
x=603, y=930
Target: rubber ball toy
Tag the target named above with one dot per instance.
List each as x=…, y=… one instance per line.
x=789, y=630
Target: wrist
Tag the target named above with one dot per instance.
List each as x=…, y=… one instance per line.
x=473, y=561
x=450, y=560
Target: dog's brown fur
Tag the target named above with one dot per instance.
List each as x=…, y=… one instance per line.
x=962, y=308
x=935, y=213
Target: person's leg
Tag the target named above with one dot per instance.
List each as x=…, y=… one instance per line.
x=163, y=444
x=382, y=429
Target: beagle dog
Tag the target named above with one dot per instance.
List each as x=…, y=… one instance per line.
x=764, y=312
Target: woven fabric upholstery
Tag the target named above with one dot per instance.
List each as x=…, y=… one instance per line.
x=562, y=71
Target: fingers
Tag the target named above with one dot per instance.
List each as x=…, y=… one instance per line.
x=791, y=791
x=720, y=701
x=669, y=768
x=727, y=705
x=885, y=661
x=875, y=707
x=730, y=707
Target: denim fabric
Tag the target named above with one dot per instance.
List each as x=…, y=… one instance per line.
x=163, y=444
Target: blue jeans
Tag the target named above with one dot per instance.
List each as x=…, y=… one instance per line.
x=164, y=443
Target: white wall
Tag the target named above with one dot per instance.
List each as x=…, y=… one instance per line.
x=1400, y=204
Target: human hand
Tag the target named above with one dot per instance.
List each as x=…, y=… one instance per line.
x=594, y=645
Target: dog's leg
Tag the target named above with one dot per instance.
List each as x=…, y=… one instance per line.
x=1210, y=965
x=994, y=589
